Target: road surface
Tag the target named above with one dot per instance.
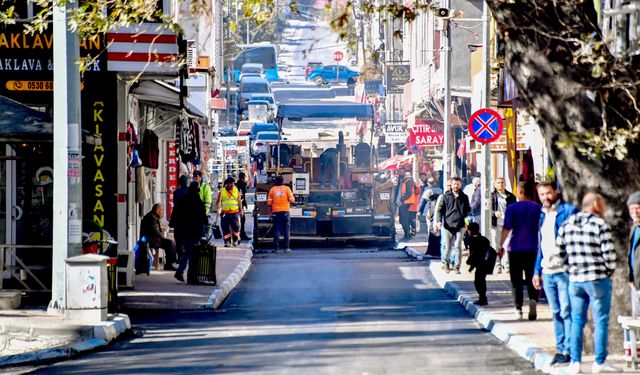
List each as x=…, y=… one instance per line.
x=319, y=311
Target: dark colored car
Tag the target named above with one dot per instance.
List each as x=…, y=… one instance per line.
x=250, y=86
x=328, y=74
x=311, y=66
x=227, y=131
x=257, y=128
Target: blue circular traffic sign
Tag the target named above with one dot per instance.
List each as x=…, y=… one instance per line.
x=485, y=125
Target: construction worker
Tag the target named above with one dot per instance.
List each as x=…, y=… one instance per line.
x=280, y=199
x=230, y=206
x=205, y=191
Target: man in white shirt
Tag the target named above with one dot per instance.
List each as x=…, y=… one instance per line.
x=549, y=271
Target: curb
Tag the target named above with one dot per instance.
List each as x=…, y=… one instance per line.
x=104, y=333
x=221, y=293
x=520, y=344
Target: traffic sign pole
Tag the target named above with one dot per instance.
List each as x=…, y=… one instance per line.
x=337, y=56
x=485, y=179
x=485, y=126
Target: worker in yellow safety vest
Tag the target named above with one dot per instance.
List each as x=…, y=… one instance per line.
x=230, y=209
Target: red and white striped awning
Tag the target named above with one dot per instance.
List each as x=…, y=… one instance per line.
x=149, y=47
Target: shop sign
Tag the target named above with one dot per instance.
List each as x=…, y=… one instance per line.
x=422, y=135
x=372, y=86
x=26, y=66
x=397, y=76
x=172, y=176
x=394, y=132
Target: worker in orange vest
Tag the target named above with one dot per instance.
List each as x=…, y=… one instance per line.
x=405, y=197
x=279, y=199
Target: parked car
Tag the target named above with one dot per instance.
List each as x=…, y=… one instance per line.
x=327, y=74
x=268, y=97
x=244, y=128
x=259, y=111
x=257, y=128
x=251, y=69
x=250, y=86
x=262, y=139
x=227, y=131
x=311, y=66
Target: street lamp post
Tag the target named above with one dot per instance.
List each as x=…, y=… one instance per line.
x=67, y=156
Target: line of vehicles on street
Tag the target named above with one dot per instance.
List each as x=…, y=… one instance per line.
x=340, y=196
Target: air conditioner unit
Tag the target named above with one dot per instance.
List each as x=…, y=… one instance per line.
x=439, y=24
x=192, y=54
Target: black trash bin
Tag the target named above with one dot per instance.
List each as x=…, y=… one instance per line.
x=112, y=289
x=202, y=268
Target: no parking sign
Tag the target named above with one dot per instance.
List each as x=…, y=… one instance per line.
x=485, y=125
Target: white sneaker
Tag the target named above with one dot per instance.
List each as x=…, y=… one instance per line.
x=574, y=368
x=605, y=367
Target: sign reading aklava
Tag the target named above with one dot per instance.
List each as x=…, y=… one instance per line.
x=26, y=63
x=26, y=75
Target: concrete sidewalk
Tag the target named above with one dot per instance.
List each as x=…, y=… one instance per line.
x=533, y=340
x=160, y=290
x=33, y=336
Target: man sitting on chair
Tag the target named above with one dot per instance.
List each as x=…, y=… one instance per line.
x=150, y=228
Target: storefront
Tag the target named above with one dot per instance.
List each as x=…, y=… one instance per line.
x=26, y=153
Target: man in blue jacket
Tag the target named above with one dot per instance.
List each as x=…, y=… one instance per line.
x=549, y=271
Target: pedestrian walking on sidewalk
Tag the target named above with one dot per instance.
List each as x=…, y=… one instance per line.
x=230, y=206
x=453, y=212
x=242, y=186
x=481, y=258
x=405, y=197
x=192, y=219
x=175, y=221
x=633, y=204
x=436, y=218
x=549, y=270
x=501, y=198
x=426, y=210
x=279, y=199
x=521, y=219
x=586, y=245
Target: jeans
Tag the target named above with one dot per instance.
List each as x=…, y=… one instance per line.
x=522, y=262
x=598, y=294
x=456, y=238
x=281, y=224
x=189, y=242
x=496, y=236
x=556, y=288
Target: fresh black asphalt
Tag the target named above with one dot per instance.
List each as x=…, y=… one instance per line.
x=318, y=311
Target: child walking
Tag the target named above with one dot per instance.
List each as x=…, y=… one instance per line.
x=482, y=258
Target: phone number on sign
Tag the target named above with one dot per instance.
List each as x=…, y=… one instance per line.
x=30, y=85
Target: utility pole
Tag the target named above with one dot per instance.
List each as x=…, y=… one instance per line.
x=446, y=149
x=67, y=158
x=485, y=179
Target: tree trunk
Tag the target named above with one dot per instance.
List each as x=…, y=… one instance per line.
x=544, y=40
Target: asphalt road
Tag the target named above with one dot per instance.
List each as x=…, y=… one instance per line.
x=318, y=311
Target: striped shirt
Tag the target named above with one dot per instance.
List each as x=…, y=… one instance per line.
x=585, y=243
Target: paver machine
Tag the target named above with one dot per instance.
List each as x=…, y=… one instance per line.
x=340, y=196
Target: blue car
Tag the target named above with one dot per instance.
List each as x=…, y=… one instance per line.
x=327, y=74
